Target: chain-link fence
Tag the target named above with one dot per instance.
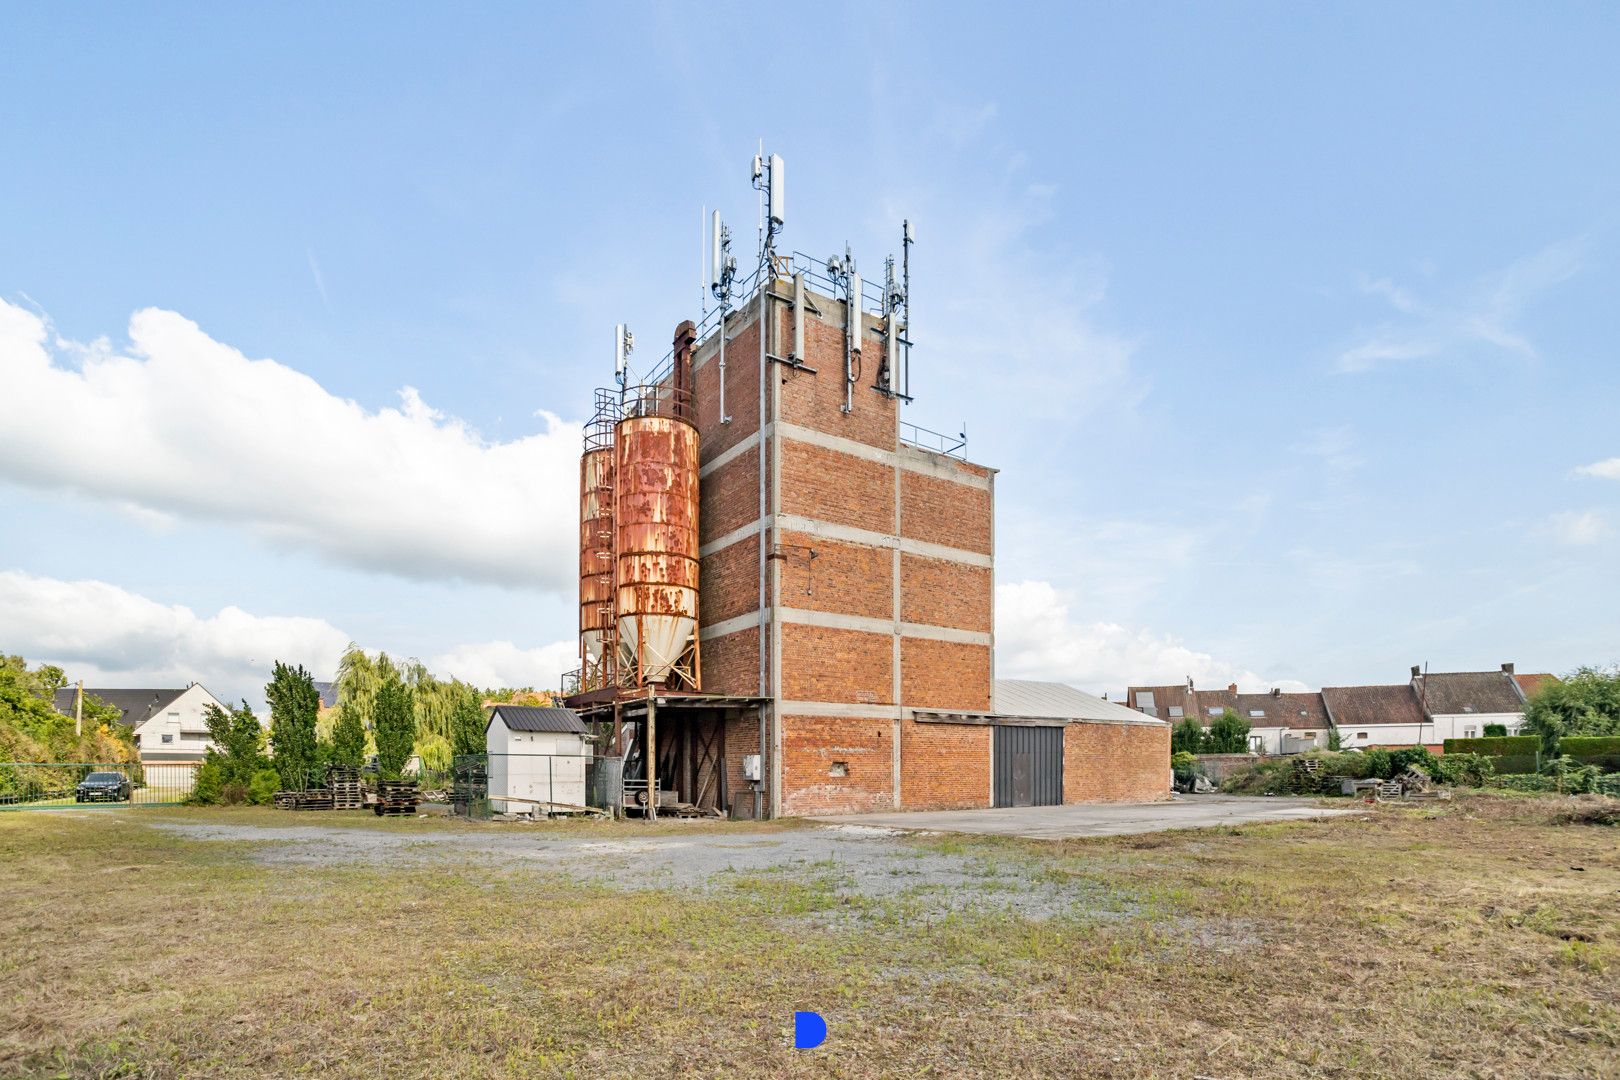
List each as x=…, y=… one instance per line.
x=482, y=785
x=45, y=785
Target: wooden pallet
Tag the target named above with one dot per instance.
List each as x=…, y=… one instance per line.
x=396, y=798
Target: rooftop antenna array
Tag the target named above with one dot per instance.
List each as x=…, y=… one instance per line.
x=722, y=274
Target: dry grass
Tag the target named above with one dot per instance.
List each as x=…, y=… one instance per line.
x=1479, y=938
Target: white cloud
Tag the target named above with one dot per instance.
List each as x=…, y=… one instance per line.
x=185, y=427
x=1608, y=469
x=1037, y=638
x=1576, y=528
x=108, y=635
x=496, y=664
x=1484, y=317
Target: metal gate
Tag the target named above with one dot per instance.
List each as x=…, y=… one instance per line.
x=1028, y=765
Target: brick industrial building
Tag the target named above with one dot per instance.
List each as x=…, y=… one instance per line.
x=845, y=600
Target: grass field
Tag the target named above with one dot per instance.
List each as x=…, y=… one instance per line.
x=1478, y=938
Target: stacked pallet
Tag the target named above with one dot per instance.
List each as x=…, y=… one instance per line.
x=396, y=798
x=343, y=781
x=311, y=799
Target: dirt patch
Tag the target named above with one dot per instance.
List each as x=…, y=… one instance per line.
x=831, y=872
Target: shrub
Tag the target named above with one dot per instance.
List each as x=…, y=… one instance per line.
x=1183, y=764
x=210, y=780
x=1463, y=770
x=1602, y=751
x=1407, y=757
x=1186, y=737
x=263, y=787
x=1513, y=753
x=1495, y=731
x=1571, y=776
x=1228, y=734
x=1377, y=764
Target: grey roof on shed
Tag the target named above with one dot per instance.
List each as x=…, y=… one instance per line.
x=137, y=706
x=544, y=718
x=1060, y=701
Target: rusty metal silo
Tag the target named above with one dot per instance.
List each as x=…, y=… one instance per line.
x=598, y=649
x=655, y=521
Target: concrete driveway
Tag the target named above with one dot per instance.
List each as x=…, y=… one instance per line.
x=1100, y=819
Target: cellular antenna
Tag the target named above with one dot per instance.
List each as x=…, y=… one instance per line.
x=624, y=342
x=722, y=273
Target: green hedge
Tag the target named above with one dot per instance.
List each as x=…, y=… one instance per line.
x=1600, y=750
x=1509, y=753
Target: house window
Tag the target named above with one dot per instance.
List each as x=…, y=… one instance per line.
x=168, y=737
x=839, y=768
x=1470, y=732
x=1144, y=698
x=1149, y=710
x=1175, y=710
x=175, y=715
x=1214, y=710
x=1257, y=714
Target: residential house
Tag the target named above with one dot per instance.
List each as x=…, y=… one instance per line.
x=1284, y=723
x=1279, y=722
x=169, y=725
x=1369, y=716
x=1459, y=704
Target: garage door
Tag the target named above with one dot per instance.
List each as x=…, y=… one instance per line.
x=1028, y=766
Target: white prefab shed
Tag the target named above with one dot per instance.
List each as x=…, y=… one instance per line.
x=537, y=756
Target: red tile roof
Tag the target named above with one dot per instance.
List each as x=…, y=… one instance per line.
x=1366, y=706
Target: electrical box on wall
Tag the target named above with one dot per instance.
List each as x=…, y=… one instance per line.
x=751, y=767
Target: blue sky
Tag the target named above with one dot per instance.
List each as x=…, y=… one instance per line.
x=1292, y=329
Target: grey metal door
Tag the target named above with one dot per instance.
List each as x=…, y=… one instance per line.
x=1028, y=765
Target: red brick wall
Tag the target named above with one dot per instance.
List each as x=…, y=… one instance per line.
x=944, y=675
x=817, y=400
x=731, y=663
x=823, y=664
x=728, y=498
x=829, y=485
x=813, y=745
x=1116, y=762
x=944, y=766
x=851, y=579
x=742, y=393
x=728, y=581
x=742, y=737
x=945, y=512
x=938, y=592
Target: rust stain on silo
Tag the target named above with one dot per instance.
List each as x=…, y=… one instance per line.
x=656, y=523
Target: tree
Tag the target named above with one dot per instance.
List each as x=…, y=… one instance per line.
x=1228, y=734
x=1584, y=702
x=349, y=737
x=234, y=767
x=1496, y=731
x=294, y=704
x=394, y=727
x=468, y=725
x=1187, y=737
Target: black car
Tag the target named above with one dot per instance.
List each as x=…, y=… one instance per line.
x=104, y=787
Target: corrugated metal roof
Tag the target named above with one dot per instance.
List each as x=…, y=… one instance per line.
x=1060, y=701
x=550, y=718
